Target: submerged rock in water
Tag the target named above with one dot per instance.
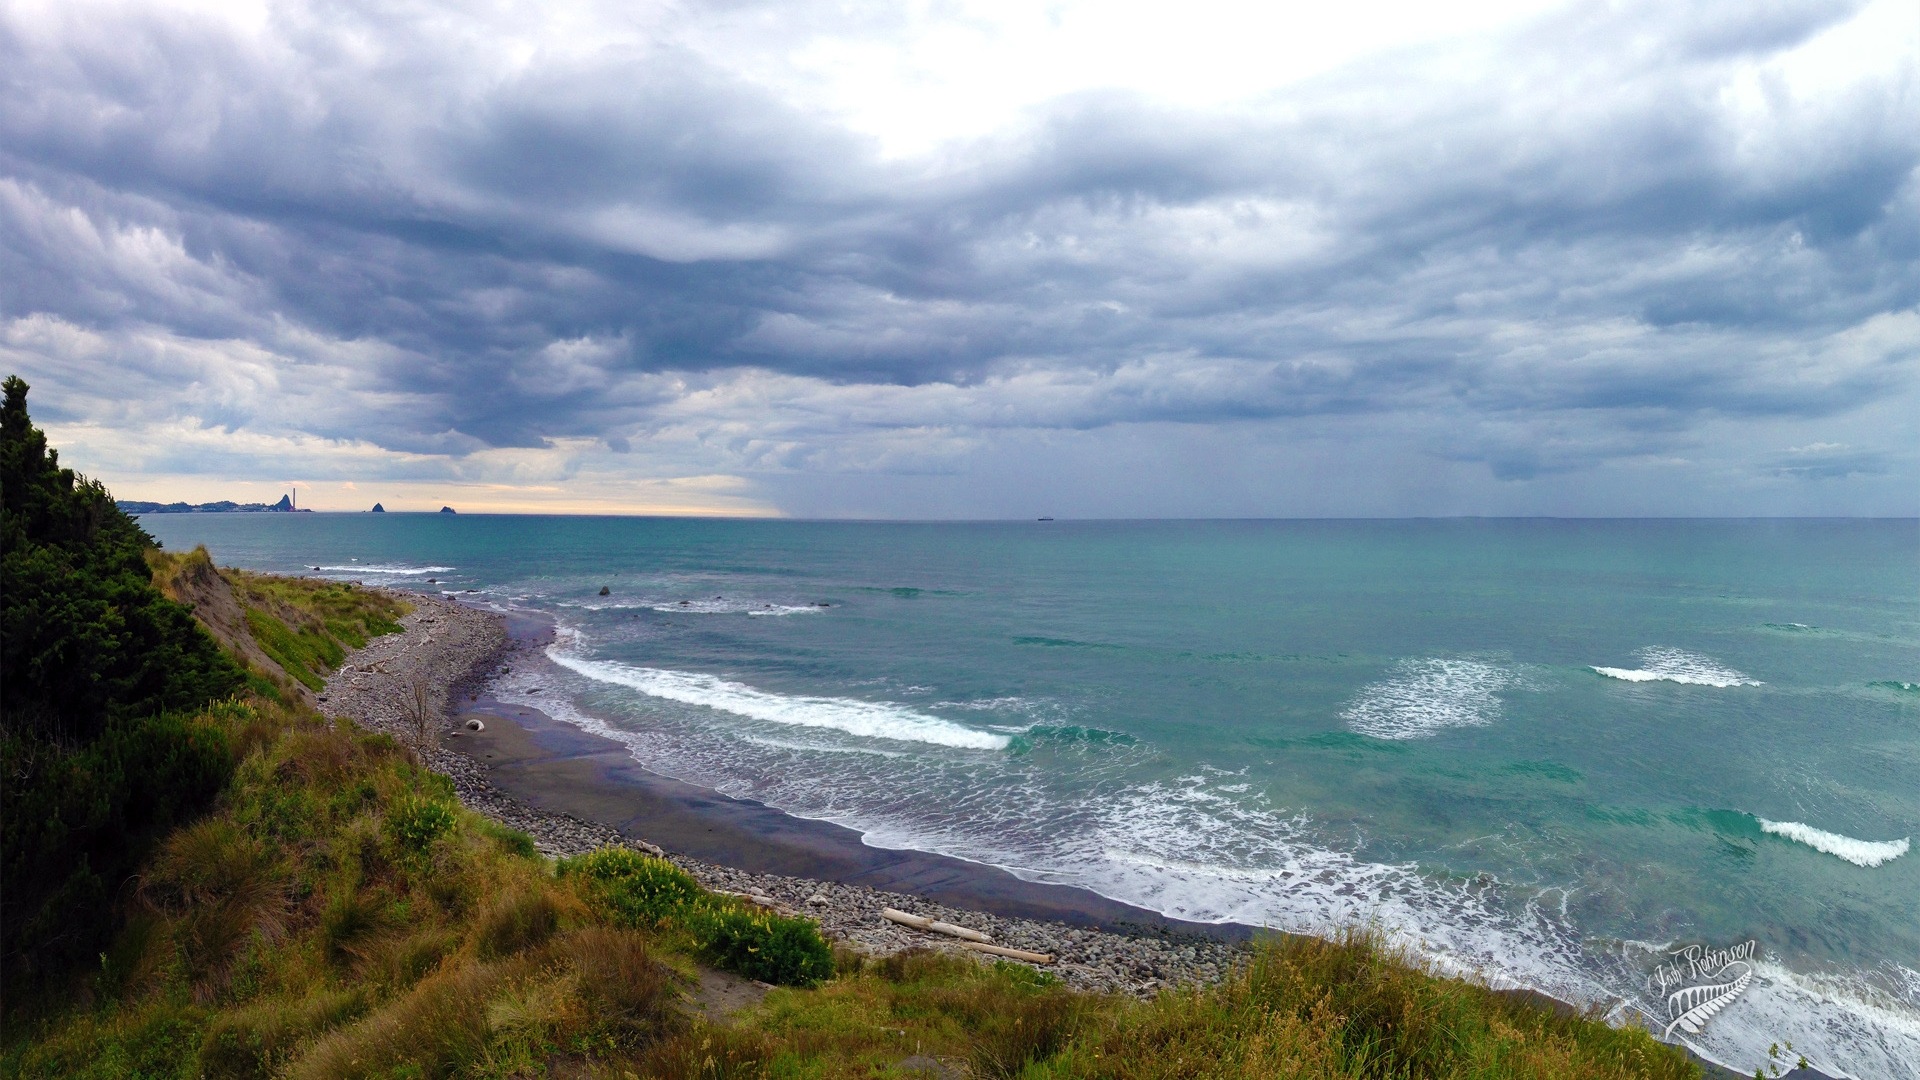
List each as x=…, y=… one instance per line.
x=604, y=590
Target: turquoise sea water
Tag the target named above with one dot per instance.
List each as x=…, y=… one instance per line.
x=1546, y=751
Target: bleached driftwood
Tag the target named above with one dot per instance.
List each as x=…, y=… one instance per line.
x=1002, y=950
x=921, y=922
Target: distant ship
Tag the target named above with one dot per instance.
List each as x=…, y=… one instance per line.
x=1046, y=519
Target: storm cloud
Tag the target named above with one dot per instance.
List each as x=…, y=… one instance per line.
x=1621, y=258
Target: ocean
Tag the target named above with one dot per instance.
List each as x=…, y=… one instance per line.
x=1551, y=753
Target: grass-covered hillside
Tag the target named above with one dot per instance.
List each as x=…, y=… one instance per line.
x=307, y=901
x=299, y=628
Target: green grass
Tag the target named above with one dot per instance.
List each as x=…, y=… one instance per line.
x=309, y=626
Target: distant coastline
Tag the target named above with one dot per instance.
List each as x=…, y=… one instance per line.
x=284, y=506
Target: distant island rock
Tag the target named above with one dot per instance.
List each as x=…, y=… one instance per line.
x=224, y=506
x=447, y=510
x=377, y=509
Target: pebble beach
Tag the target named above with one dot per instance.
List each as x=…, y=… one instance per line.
x=451, y=649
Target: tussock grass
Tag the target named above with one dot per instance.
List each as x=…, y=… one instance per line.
x=1348, y=1008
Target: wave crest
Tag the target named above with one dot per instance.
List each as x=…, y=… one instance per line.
x=1678, y=666
x=866, y=719
x=1857, y=852
x=376, y=568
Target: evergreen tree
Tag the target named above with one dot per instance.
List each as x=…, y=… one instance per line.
x=97, y=669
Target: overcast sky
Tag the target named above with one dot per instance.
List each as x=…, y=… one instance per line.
x=972, y=259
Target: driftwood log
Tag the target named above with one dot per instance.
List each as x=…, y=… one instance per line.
x=969, y=939
x=921, y=922
x=1002, y=950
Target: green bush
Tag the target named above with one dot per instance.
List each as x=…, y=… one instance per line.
x=636, y=890
x=84, y=636
x=643, y=892
x=762, y=945
x=416, y=823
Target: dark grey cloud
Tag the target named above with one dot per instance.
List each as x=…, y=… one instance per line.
x=1583, y=243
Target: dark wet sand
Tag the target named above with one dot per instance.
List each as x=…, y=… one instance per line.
x=558, y=767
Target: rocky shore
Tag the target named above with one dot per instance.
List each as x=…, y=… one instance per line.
x=448, y=650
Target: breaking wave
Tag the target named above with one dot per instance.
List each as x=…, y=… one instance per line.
x=867, y=719
x=375, y=568
x=1678, y=666
x=1857, y=852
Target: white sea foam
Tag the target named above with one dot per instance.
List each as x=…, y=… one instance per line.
x=375, y=568
x=725, y=607
x=867, y=719
x=1197, y=846
x=1843, y=1025
x=1677, y=665
x=1857, y=852
x=1422, y=697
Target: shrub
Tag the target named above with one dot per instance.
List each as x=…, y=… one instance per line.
x=762, y=945
x=635, y=890
x=84, y=636
x=416, y=823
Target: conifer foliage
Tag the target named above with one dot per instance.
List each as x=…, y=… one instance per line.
x=98, y=673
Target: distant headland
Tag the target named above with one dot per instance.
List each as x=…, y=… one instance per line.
x=284, y=506
x=224, y=506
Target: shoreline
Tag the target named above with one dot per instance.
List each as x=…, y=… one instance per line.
x=573, y=790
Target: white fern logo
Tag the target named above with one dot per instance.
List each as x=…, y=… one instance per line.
x=1726, y=973
x=1693, y=1007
